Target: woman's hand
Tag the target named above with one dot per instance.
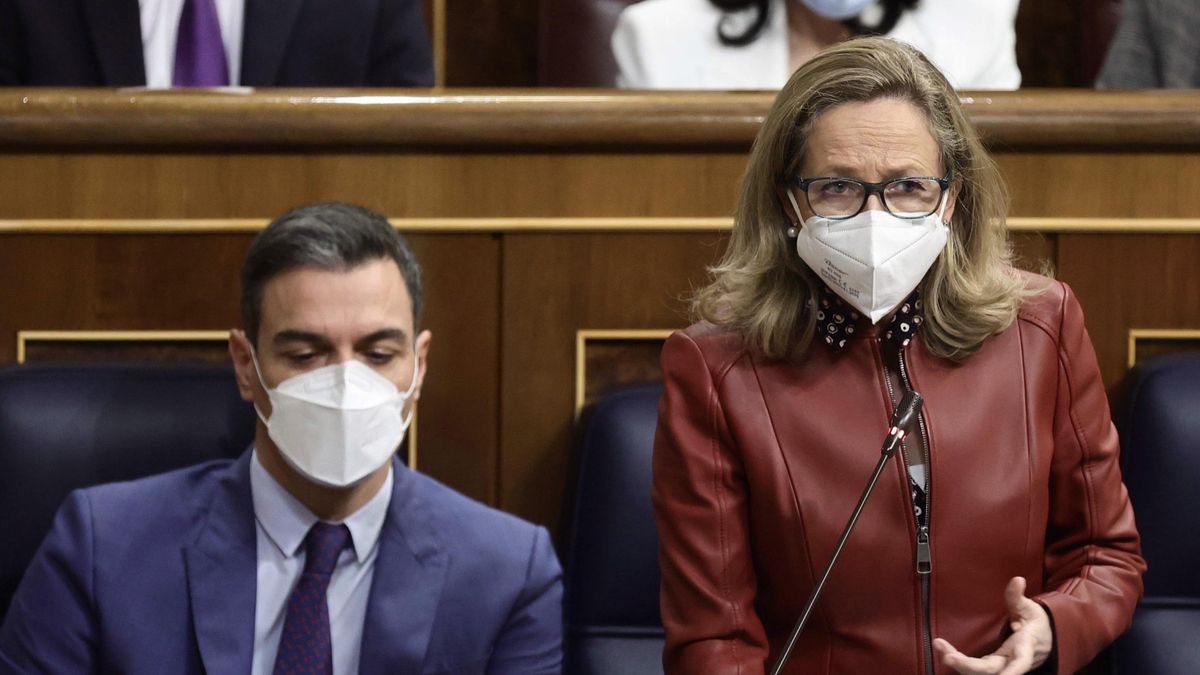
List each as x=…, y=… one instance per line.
x=1027, y=648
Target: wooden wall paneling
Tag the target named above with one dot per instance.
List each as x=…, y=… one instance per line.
x=1131, y=281
x=1050, y=41
x=1036, y=251
x=1103, y=184
x=459, y=407
x=197, y=185
x=555, y=284
x=491, y=43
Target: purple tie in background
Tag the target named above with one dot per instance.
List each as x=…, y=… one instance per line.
x=306, y=646
x=199, y=51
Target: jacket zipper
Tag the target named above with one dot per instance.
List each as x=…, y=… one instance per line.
x=924, y=548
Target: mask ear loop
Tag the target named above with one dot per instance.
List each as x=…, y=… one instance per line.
x=261, y=381
x=941, y=212
x=412, y=387
x=794, y=230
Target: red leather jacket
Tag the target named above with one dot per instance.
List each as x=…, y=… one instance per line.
x=757, y=465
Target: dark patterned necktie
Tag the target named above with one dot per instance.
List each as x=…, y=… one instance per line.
x=306, y=646
x=199, y=51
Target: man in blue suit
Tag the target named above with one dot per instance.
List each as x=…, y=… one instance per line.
x=316, y=551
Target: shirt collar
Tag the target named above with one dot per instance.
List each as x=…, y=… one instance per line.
x=287, y=522
x=838, y=322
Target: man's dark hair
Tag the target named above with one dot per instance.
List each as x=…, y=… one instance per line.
x=335, y=237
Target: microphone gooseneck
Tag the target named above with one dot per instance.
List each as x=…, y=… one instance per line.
x=903, y=418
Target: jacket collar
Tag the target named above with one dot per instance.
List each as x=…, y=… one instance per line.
x=838, y=323
x=405, y=590
x=409, y=574
x=221, y=565
x=116, y=30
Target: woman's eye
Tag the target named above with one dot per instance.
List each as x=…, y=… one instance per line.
x=908, y=186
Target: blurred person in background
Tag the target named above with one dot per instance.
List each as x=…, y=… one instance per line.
x=214, y=43
x=1156, y=46
x=757, y=44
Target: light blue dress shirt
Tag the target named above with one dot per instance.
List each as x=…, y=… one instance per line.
x=282, y=523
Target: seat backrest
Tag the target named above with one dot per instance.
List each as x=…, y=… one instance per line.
x=612, y=578
x=67, y=426
x=1159, y=418
x=574, y=49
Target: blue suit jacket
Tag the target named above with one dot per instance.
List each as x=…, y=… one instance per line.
x=158, y=576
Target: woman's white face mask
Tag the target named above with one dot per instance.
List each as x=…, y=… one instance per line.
x=838, y=9
x=874, y=259
x=337, y=424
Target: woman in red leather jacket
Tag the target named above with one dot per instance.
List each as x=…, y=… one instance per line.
x=869, y=256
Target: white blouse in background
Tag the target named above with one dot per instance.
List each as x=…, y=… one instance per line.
x=673, y=44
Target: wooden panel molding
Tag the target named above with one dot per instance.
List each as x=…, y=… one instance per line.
x=623, y=361
x=565, y=225
x=1155, y=341
x=474, y=119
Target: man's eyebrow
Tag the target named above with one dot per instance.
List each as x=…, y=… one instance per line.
x=292, y=335
x=384, y=334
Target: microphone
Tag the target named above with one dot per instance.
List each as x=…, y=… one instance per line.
x=906, y=412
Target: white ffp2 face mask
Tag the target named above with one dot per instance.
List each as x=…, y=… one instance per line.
x=339, y=423
x=873, y=260
x=838, y=9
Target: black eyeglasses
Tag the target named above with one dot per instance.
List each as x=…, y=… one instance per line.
x=838, y=198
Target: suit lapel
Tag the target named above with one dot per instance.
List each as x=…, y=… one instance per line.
x=409, y=574
x=267, y=27
x=116, y=30
x=221, y=570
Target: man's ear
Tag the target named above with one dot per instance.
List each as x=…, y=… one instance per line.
x=243, y=364
x=424, y=339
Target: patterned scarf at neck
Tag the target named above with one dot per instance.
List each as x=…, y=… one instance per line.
x=837, y=322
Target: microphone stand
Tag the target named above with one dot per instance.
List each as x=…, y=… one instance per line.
x=905, y=413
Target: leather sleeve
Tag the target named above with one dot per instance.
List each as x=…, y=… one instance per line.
x=1093, y=565
x=701, y=508
x=50, y=626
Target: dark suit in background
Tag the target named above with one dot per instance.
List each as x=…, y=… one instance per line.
x=286, y=43
x=1156, y=46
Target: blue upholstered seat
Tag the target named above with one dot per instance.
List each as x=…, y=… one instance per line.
x=1159, y=420
x=611, y=603
x=66, y=426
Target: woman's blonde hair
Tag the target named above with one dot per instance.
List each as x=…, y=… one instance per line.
x=762, y=288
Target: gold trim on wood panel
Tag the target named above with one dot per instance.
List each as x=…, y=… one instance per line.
x=581, y=339
x=439, y=43
x=1136, y=334
x=564, y=225
x=1067, y=225
x=468, y=119
x=26, y=336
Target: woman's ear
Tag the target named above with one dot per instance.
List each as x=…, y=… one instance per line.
x=791, y=208
x=951, y=200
